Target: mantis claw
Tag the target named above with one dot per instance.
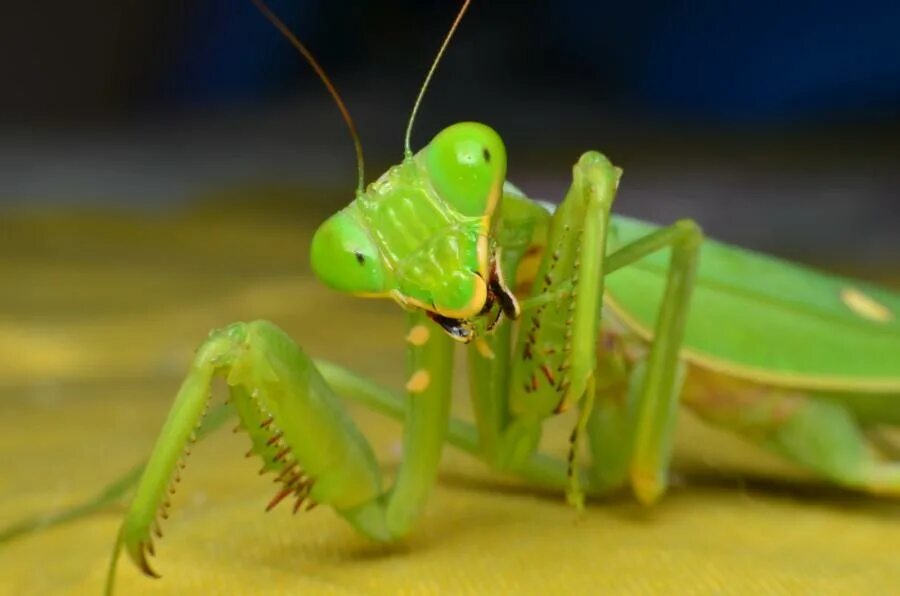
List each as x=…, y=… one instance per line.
x=290, y=417
x=139, y=556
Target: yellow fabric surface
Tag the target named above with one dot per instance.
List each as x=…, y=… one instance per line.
x=99, y=314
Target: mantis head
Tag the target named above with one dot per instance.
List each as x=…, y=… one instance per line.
x=422, y=234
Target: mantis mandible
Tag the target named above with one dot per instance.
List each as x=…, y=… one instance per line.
x=562, y=308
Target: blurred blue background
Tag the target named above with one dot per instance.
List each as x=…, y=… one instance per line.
x=774, y=123
x=731, y=62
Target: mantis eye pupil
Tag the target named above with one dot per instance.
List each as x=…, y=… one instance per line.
x=487, y=155
x=359, y=257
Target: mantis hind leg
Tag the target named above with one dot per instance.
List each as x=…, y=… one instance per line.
x=816, y=431
x=824, y=437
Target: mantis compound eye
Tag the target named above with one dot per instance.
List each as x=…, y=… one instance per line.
x=466, y=163
x=344, y=257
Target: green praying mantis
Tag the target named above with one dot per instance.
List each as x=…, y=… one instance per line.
x=562, y=308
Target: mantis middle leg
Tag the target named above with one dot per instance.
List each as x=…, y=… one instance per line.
x=631, y=429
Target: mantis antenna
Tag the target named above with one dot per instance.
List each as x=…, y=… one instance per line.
x=283, y=29
x=407, y=152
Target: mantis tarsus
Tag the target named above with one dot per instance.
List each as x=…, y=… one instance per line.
x=620, y=319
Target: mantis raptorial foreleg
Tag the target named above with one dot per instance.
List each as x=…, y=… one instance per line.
x=302, y=432
x=552, y=365
x=555, y=363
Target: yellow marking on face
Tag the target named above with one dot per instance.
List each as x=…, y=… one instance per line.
x=484, y=255
x=484, y=349
x=418, y=335
x=478, y=299
x=495, y=194
x=472, y=308
x=419, y=381
x=866, y=306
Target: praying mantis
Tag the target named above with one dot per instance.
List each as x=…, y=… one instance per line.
x=558, y=308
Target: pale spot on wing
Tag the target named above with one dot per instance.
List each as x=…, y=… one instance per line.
x=418, y=335
x=419, y=381
x=866, y=306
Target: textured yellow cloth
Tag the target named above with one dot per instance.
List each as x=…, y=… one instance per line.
x=99, y=315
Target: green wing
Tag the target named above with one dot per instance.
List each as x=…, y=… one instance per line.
x=765, y=319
